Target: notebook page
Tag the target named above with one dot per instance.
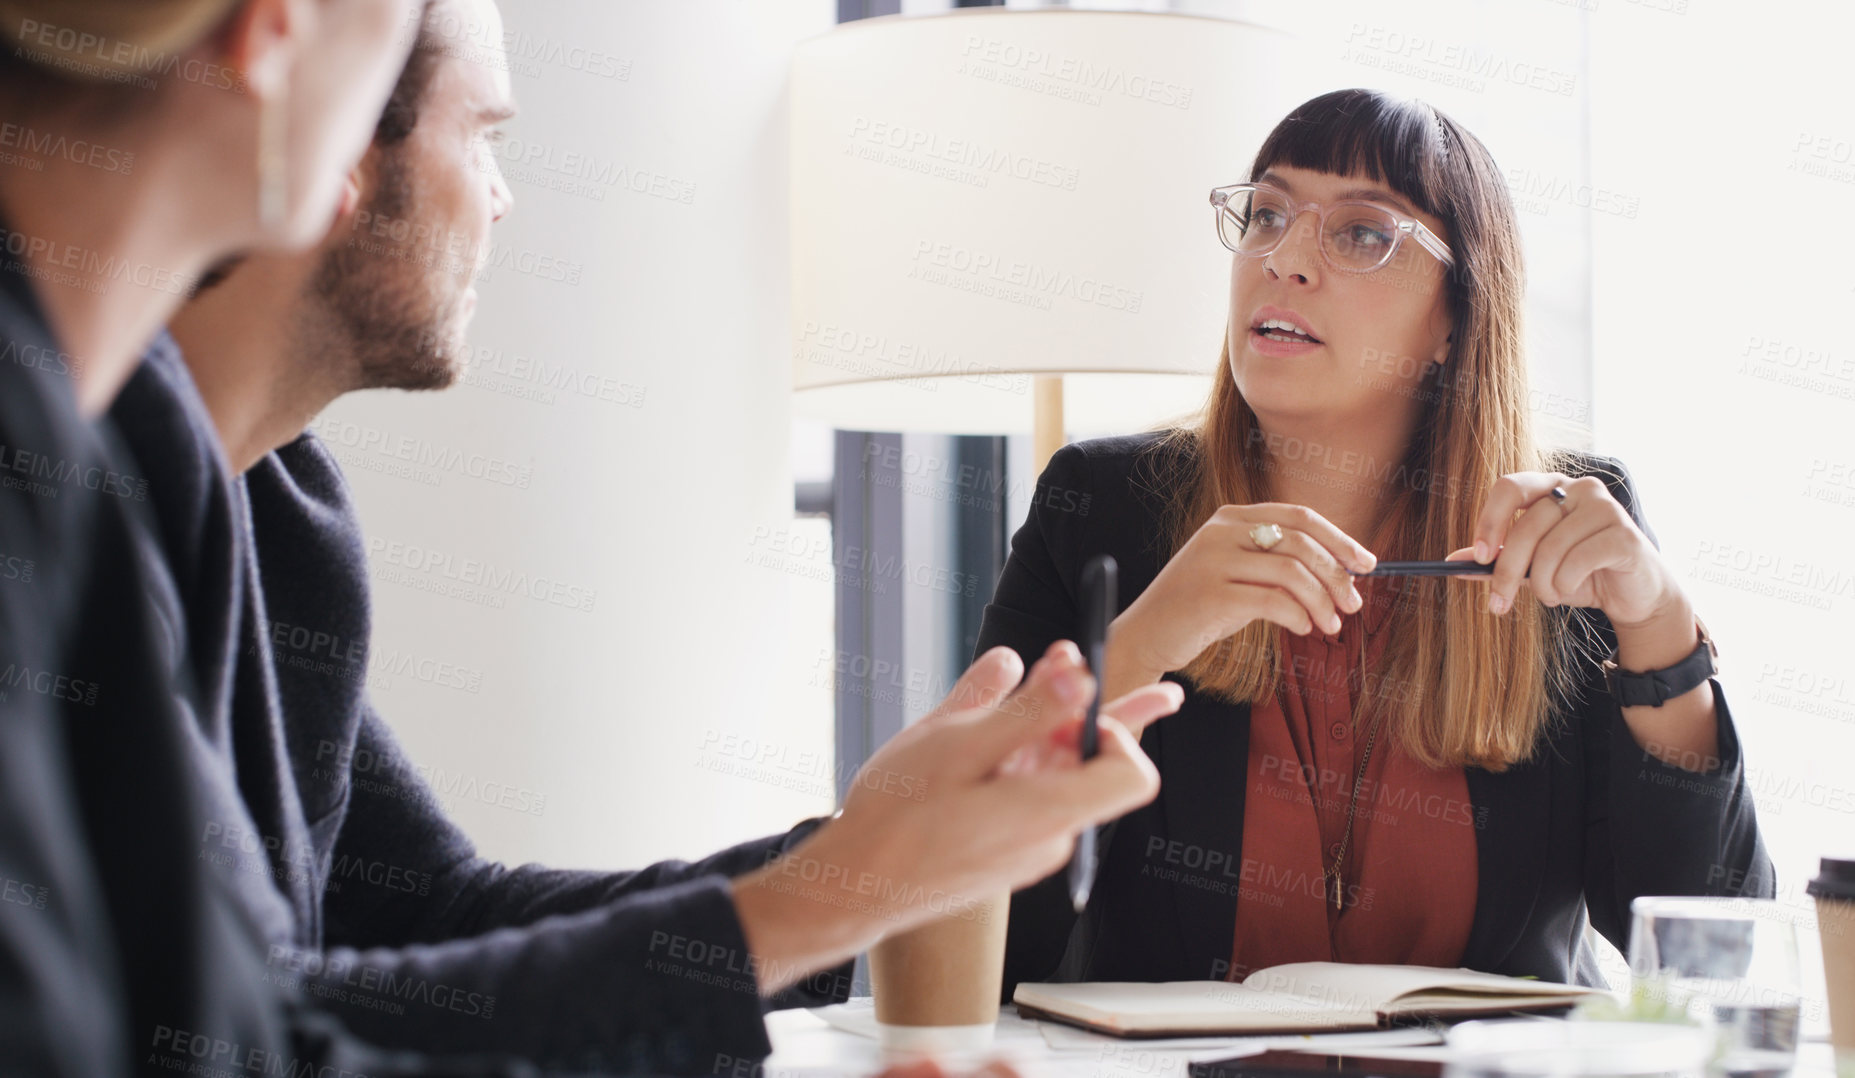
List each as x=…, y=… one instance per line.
x=1182, y=1005
x=1349, y=986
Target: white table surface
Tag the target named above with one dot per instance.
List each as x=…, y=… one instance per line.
x=806, y=1046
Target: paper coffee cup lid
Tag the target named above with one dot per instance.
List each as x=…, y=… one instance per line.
x=1835, y=879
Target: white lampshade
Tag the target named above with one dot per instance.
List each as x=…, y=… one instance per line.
x=984, y=196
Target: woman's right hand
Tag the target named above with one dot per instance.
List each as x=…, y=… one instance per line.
x=1220, y=581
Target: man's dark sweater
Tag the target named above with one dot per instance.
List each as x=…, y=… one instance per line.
x=110, y=934
x=372, y=899
x=122, y=951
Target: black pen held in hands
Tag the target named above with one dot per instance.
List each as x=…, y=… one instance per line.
x=1098, y=592
x=1466, y=567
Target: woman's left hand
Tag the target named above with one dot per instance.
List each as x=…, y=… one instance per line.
x=1584, y=551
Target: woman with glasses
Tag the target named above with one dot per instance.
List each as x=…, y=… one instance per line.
x=1398, y=769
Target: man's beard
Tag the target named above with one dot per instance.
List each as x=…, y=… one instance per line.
x=388, y=304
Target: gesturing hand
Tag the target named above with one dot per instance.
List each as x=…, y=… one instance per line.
x=1582, y=551
x=1221, y=580
x=984, y=795
x=999, y=791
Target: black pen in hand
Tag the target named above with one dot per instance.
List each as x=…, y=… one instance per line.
x=1098, y=591
x=1465, y=567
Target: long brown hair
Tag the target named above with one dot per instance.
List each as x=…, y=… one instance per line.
x=1461, y=686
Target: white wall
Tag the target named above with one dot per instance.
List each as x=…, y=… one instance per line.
x=648, y=502
x=1725, y=370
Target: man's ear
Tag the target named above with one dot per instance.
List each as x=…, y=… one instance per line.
x=350, y=193
x=356, y=186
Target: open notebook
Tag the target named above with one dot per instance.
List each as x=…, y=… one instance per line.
x=1301, y=997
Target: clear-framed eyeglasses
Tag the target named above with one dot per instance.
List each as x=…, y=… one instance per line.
x=1356, y=236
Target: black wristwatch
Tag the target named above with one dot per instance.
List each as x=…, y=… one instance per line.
x=1653, y=688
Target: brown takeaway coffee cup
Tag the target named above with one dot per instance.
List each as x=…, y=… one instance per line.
x=937, y=985
x=1834, y=890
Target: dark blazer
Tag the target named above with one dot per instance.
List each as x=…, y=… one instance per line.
x=1589, y=824
x=372, y=903
x=122, y=949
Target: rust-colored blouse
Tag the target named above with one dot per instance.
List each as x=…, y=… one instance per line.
x=1409, y=873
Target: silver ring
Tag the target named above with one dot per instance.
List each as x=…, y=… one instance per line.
x=1265, y=536
x=1558, y=497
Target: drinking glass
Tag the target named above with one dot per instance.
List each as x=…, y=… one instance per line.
x=1726, y=963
